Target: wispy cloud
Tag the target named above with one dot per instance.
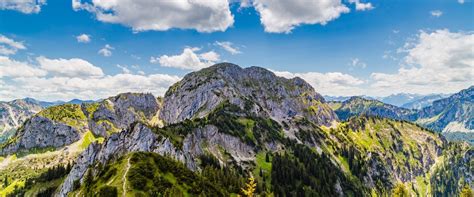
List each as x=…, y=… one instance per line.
x=106, y=51
x=436, y=13
x=9, y=46
x=23, y=6
x=228, y=46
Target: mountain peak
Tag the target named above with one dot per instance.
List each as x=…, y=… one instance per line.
x=200, y=92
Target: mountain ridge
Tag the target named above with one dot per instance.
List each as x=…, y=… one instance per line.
x=361, y=106
x=232, y=123
x=452, y=114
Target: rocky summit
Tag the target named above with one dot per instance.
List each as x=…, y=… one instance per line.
x=254, y=89
x=223, y=128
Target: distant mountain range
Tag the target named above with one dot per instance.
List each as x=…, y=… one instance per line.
x=452, y=114
x=344, y=98
x=400, y=99
x=53, y=103
x=424, y=101
x=405, y=100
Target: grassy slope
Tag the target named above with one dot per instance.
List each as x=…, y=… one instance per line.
x=382, y=136
x=30, y=165
x=70, y=114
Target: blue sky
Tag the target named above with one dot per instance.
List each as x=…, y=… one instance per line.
x=380, y=48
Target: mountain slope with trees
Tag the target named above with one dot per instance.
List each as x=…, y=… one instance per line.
x=225, y=126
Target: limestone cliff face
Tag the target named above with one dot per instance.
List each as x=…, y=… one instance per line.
x=254, y=89
x=40, y=132
x=116, y=113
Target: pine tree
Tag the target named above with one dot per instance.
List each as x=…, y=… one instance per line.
x=250, y=187
x=466, y=192
x=88, y=179
x=5, y=182
x=400, y=191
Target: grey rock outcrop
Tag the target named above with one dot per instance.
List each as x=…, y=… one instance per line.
x=116, y=113
x=40, y=132
x=254, y=89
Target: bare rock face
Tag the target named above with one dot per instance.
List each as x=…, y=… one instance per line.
x=116, y=113
x=211, y=140
x=40, y=132
x=253, y=89
x=83, y=161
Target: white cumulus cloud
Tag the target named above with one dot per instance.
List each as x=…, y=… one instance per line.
x=144, y=15
x=24, y=6
x=190, y=59
x=284, y=16
x=74, y=67
x=48, y=82
x=83, y=38
x=66, y=88
x=439, y=61
x=9, y=46
x=13, y=68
